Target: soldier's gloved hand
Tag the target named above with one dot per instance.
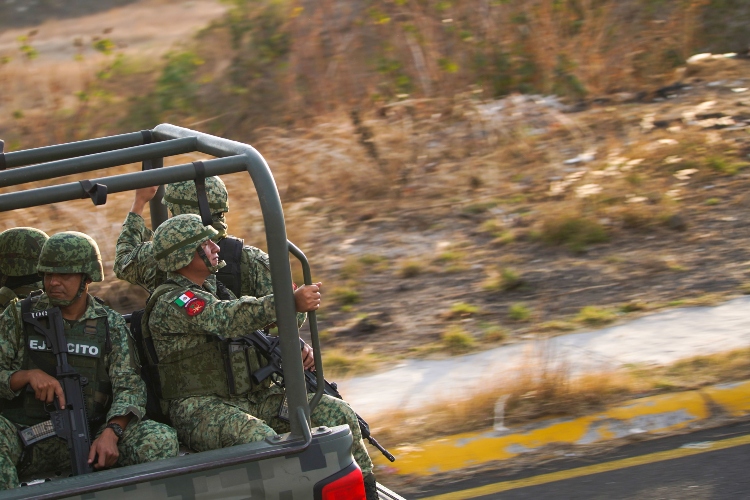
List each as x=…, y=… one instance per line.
x=307, y=297
x=45, y=386
x=308, y=359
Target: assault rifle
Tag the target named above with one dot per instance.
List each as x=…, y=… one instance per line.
x=70, y=423
x=269, y=347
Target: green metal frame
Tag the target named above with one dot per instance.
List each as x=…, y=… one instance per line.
x=150, y=147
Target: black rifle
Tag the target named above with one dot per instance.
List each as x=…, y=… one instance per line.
x=270, y=349
x=70, y=423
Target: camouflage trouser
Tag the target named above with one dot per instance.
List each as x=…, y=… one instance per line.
x=209, y=422
x=143, y=441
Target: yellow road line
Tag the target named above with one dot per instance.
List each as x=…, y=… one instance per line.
x=591, y=469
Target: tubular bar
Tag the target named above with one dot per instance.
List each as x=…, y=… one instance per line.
x=95, y=161
x=233, y=157
x=313, y=320
x=72, y=149
x=278, y=254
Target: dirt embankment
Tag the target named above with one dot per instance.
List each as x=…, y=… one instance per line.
x=457, y=259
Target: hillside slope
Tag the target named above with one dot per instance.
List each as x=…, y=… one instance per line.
x=438, y=225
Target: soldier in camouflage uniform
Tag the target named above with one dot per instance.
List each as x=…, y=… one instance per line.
x=19, y=253
x=209, y=407
x=99, y=349
x=247, y=271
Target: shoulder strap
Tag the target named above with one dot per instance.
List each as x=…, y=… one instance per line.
x=46, y=364
x=230, y=251
x=150, y=350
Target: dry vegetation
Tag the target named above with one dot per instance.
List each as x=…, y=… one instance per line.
x=461, y=174
x=545, y=387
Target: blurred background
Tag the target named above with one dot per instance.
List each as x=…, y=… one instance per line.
x=461, y=174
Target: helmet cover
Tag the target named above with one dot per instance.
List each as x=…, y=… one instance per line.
x=71, y=252
x=19, y=250
x=177, y=239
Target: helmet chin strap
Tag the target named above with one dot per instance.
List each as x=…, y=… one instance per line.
x=66, y=303
x=211, y=268
x=220, y=224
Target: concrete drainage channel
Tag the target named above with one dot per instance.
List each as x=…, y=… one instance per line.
x=654, y=415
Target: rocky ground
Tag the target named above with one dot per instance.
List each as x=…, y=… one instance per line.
x=402, y=271
x=697, y=253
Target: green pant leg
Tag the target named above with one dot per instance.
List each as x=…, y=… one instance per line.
x=10, y=453
x=50, y=455
x=208, y=423
x=146, y=441
x=330, y=412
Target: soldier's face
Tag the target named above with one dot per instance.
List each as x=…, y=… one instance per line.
x=211, y=250
x=62, y=286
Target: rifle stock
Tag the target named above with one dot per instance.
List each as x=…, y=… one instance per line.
x=270, y=349
x=69, y=423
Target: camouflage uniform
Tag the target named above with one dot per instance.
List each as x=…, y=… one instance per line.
x=19, y=253
x=142, y=441
x=134, y=259
x=212, y=421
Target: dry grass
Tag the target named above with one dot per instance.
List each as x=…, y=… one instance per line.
x=544, y=387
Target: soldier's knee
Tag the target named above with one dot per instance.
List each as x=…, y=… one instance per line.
x=252, y=430
x=8, y=473
x=166, y=441
x=10, y=443
x=151, y=441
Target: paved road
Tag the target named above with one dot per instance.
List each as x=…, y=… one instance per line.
x=710, y=464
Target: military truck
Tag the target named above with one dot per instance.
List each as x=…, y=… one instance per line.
x=306, y=463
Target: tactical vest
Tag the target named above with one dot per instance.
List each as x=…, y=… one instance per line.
x=230, y=251
x=88, y=342
x=218, y=367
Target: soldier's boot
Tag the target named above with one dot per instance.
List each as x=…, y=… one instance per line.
x=371, y=488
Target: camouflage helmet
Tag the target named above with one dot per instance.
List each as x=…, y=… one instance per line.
x=181, y=197
x=177, y=239
x=71, y=252
x=19, y=250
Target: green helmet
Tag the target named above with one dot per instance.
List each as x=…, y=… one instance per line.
x=177, y=239
x=19, y=250
x=181, y=197
x=71, y=252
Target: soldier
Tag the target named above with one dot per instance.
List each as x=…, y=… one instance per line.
x=115, y=394
x=188, y=323
x=19, y=253
x=247, y=270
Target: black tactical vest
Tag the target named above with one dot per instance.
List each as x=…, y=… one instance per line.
x=88, y=342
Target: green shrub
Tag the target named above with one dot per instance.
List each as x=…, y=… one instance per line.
x=457, y=340
x=346, y=296
x=519, y=312
x=592, y=315
x=575, y=232
x=462, y=309
x=410, y=269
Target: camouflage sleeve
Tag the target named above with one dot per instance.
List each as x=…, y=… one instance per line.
x=128, y=390
x=256, y=276
x=226, y=318
x=134, y=253
x=11, y=349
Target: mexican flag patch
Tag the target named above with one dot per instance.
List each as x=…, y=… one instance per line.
x=184, y=298
x=193, y=305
